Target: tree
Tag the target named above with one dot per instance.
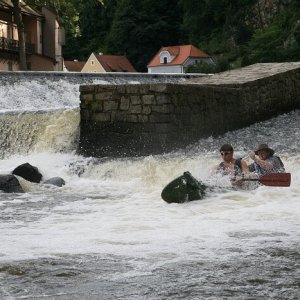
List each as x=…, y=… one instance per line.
x=140, y=28
x=94, y=24
x=17, y=12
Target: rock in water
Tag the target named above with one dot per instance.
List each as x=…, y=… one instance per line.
x=10, y=184
x=58, y=181
x=28, y=172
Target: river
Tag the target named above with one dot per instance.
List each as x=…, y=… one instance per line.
x=107, y=234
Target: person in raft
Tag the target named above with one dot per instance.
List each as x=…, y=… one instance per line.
x=236, y=168
x=264, y=161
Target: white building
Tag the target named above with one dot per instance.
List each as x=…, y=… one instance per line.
x=176, y=59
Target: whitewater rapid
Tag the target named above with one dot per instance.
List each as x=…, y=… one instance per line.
x=117, y=204
x=108, y=234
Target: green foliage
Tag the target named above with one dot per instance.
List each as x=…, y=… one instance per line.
x=202, y=67
x=138, y=29
x=277, y=43
x=220, y=64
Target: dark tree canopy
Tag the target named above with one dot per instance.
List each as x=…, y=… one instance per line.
x=232, y=31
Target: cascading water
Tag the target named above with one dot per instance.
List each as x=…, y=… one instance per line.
x=108, y=235
x=25, y=132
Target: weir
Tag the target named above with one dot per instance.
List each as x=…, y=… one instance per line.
x=40, y=110
x=109, y=226
x=130, y=119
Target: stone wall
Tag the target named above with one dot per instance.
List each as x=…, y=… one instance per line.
x=143, y=119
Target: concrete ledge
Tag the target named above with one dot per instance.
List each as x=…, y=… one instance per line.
x=126, y=120
x=101, y=76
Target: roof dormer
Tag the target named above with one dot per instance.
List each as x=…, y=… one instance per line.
x=165, y=57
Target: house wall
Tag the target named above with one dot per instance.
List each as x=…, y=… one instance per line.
x=3, y=28
x=128, y=120
x=8, y=30
x=43, y=35
x=39, y=32
x=178, y=69
x=165, y=69
x=15, y=35
x=58, y=48
x=41, y=63
x=37, y=63
x=4, y=66
x=90, y=67
x=49, y=33
x=30, y=25
x=52, y=46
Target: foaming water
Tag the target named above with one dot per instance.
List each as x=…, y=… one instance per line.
x=39, y=91
x=37, y=95
x=37, y=131
x=108, y=222
x=124, y=193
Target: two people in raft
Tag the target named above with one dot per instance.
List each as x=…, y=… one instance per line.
x=264, y=162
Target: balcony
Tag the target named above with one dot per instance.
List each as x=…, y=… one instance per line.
x=13, y=45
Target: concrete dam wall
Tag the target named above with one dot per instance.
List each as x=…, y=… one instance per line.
x=60, y=90
x=88, y=78
x=151, y=118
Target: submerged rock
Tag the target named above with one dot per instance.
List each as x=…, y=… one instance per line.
x=28, y=172
x=58, y=181
x=10, y=184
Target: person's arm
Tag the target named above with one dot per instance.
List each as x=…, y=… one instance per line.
x=245, y=168
x=238, y=180
x=263, y=163
x=214, y=170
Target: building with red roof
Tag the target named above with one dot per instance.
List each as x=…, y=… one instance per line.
x=73, y=65
x=107, y=63
x=176, y=59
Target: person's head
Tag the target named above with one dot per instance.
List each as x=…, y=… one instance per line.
x=263, y=151
x=226, y=152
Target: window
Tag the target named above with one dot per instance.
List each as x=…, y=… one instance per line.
x=165, y=60
x=92, y=62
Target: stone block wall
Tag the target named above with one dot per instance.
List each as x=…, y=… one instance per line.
x=142, y=119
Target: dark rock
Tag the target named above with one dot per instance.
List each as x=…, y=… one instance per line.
x=58, y=181
x=10, y=184
x=28, y=172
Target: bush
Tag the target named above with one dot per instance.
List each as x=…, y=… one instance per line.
x=221, y=64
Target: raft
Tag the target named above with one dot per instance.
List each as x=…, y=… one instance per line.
x=184, y=188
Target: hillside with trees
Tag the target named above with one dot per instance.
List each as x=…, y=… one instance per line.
x=235, y=32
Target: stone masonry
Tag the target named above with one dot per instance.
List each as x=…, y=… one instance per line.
x=142, y=119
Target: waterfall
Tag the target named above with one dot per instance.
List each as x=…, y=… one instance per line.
x=24, y=132
x=40, y=111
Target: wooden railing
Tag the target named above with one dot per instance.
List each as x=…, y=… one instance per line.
x=13, y=45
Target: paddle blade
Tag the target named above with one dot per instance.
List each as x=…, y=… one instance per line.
x=276, y=179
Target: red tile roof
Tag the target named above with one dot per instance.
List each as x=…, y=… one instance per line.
x=181, y=53
x=115, y=63
x=73, y=65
